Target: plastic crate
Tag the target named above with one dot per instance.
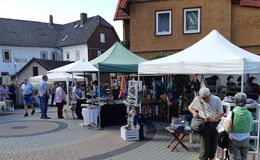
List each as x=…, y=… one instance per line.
x=130, y=135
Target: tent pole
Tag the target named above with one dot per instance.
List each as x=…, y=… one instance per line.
x=85, y=85
x=242, y=83
x=99, y=125
x=68, y=93
x=138, y=79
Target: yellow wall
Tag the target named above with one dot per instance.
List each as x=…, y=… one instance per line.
x=216, y=14
x=245, y=25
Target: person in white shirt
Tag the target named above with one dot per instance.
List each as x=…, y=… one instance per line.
x=208, y=107
x=60, y=99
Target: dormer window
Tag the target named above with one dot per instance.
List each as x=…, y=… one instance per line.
x=75, y=26
x=65, y=38
x=102, y=38
x=6, y=55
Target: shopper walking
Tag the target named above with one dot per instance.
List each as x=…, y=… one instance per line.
x=208, y=107
x=239, y=128
x=60, y=99
x=27, y=90
x=44, y=96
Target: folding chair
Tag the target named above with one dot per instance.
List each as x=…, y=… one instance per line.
x=71, y=107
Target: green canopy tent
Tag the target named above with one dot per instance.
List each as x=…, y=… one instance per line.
x=117, y=59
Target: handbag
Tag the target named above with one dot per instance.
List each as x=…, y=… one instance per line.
x=197, y=124
x=223, y=139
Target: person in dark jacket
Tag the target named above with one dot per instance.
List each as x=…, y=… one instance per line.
x=185, y=100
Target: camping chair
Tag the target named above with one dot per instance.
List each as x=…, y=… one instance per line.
x=70, y=107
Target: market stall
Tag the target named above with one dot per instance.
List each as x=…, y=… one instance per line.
x=84, y=67
x=117, y=59
x=213, y=54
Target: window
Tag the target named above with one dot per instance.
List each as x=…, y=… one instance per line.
x=98, y=53
x=35, y=71
x=163, y=22
x=54, y=56
x=6, y=55
x=44, y=55
x=67, y=56
x=102, y=38
x=4, y=73
x=77, y=55
x=191, y=20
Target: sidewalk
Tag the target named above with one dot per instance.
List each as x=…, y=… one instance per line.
x=31, y=138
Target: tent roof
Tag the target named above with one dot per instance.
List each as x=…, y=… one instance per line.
x=213, y=54
x=59, y=76
x=77, y=67
x=117, y=59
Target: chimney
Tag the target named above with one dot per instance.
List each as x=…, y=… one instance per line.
x=50, y=20
x=83, y=18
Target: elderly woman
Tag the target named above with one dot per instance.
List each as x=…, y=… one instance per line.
x=4, y=92
x=239, y=124
x=60, y=99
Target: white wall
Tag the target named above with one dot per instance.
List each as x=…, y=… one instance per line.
x=71, y=50
x=23, y=52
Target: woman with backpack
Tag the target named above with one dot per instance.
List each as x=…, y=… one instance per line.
x=239, y=125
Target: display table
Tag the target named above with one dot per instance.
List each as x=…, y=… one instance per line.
x=90, y=115
x=111, y=115
x=155, y=109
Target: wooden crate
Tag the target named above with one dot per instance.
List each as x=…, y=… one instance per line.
x=130, y=135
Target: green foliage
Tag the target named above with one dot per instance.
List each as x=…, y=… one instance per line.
x=126, y=44
x=160, y=55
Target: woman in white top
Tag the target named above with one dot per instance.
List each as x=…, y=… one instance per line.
x=60, y=99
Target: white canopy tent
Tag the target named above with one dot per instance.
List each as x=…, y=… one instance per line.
x=58, y=76
x=213, y=54
x=80, y=66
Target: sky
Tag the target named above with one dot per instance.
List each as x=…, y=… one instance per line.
x=63, y=11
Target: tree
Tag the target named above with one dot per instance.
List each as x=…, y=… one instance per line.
x=126, y=44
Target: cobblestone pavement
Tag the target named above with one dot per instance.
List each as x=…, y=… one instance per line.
x=30, y=138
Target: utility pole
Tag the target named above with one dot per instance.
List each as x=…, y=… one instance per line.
x=15, y=70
